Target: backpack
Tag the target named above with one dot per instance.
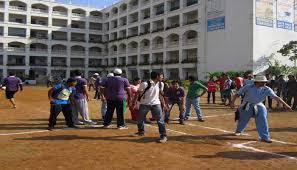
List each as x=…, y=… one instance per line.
x=233, y=85
x=56, y=92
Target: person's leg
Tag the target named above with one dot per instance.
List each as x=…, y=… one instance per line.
x=214, y=97
x=103, y=109
x=54, y=112
x=134, y=114
x=74, y=112
x=120, y=113
x=181, y=112
x=10, y=97
x=289, y=102
x=167, y=113
x=84, y=110
x=208, y=97
x=262, y=123
x=295, y=102
x=143, y=110
x=157, y=112
x=66, y=109
x=244, y=117
x=111, y=105
x=188, y=108
x=196, y=104
x=269, y=102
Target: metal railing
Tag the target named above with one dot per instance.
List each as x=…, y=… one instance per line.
x=15, y=49
x=59, y=52
x=78, y=15
x=192, y=41
x=17, y=8
x=60, y=13
x=39, y=50
x=78, y=52
x=173, y=44
x=39, y=10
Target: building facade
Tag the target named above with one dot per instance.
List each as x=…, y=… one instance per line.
x=176, y=37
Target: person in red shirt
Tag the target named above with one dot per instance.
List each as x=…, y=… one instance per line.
x=238, y=81
x=212, y=88
x=221, y=82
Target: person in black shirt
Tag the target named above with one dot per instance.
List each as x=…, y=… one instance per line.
x=292, y=91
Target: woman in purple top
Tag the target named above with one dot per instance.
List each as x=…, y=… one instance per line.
x=12, y=85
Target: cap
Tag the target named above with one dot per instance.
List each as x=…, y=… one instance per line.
x=110, y=75
x=260, y=78
x=96, y=74
x=117, y=71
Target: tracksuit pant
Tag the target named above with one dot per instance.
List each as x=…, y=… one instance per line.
x=55, y=111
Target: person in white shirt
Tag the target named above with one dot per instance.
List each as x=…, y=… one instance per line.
x=150, y=99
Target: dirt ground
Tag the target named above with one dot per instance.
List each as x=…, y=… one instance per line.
x=26, y=144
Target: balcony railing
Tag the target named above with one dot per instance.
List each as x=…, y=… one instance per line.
x=60, y=38
x=158, y=62
x=158, y=30
x=172, y=26
x=78, y=52
x=95, y=53
x=132, y=64
x=174, y=8
x=145, y=48
x=172, y=61
x=144, y=63
x=59, y=52
x=15, y=49
x=39, y=50
x=78, y=40
x=191, y=22
x=39, y=10
x=60, y=13
x=132, y=8
x=78, y=15
x=60, y=64
x=95, y=17
x=17, y=8
x=190, y=60
x=38, y=64
x=173, y=44
x=132, y=50
x=192, y=41
x=122, y=52
x=158, y=46
x=159, y=12
x=16, y=64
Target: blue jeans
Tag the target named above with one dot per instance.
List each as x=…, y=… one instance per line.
x=260, y=118
x=196, y=104
x=103, y=109
x=170, y=105
x=157, y=114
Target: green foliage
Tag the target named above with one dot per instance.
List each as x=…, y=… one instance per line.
x=290, y=50
x=229, y=73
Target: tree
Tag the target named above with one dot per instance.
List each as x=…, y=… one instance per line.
x=290, y=50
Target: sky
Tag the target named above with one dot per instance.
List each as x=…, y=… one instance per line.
x=92, y=3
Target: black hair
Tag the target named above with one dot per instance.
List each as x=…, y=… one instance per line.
x=191, y=78
x=71, y=80
x=11, y=74
x=77, y=73
x=175, y=82
x=154, y=75
x=136, y=79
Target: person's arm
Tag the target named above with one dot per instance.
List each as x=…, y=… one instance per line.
x=280, y=100
x=232, y=103
x=204, y=89
x=86, y=92
x=49, y=94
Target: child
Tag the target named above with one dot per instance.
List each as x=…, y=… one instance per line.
x=212, y=88
x=59, y=97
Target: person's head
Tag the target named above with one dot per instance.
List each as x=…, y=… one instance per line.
x=77, y=73
x=117, y=72
x=161, y=76
x=291, y=77
x=223, y=75
x=11, y=74
x=211, y=78
x=268, y=76
x=282, y=76
x=96, y=75
x=71, y=82
x=191, y=79
x=175, y=84
x=250, y=76
x=260, y=80
x=154, y=75
x=110, y=75
x=136, y=81
x=237, y=75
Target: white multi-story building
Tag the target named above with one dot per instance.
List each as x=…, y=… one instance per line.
x=177, y=37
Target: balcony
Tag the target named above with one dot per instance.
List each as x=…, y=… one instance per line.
x=159, y=12
x=77, y=62
x=191, y=2
x=38, y=61
x=132, y=50
x=172, y=26
x=15, y=49
x=172, y=61
x=37, y=10
x=157, y=62
x=79, y=53
x=158, y=46
x=60, y=13
x=191, y=22
x=190, y=60
x=158, y=30
x=39, y=50
x=59, y=52
x=193, y=41
x=18, y=8
x=58, y=62
x=78, y=15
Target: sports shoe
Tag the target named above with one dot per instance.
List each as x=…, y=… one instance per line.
x=50, y=128
x=106, y=127
x=186, y=118
x=79, y=123
x=266, y=140
x=122, y=127
x=14, y=106
x=237, y=134
x=181, y=122
x=201, y=120
x=90, y=123
x=167, y=121
x=139, y=134
x=162, y=139
x=73, y=127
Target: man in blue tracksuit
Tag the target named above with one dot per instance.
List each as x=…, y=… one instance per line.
x=253, y=106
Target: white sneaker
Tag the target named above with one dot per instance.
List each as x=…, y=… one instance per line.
x=162, y=139
x=122, y=127
x=90, y=123
x=79, y=123
x=106, y=127
x=237, y=134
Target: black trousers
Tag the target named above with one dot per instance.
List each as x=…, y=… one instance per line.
x=213, y=97
x=55, y=111
x=111, y=106
x=269, y=99
x=290, y=97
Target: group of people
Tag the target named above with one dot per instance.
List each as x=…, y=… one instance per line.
x=156, y=96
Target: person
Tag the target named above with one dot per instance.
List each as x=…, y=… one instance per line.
x=196, y=90
x=116, y=88
x=12, y=85
x=175, y=95
x=227, y=90
x=49, y=81
x=211, y=90
x=238, y=81
x=270, y=83
x=92, y=81
x=253, y=106
x=59, y=97
x=134, y=108
x=80, y=102
x=150, y=99
x=281, y=88
x=248, y=79
x=221, y=81
x=97, y=86
x=292, y=91
x=103, y=95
